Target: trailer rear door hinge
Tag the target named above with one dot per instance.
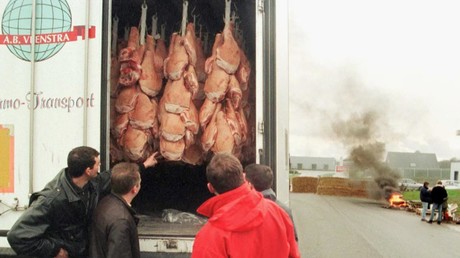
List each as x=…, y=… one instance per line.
x=260, y=127
x=261, y=5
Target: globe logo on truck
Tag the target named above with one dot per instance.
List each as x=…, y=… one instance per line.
x=53, y=28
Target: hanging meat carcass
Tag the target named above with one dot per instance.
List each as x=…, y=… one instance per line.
x=233, y=122
x=119, y=125
x=179, y=123
x=220, y=115
x=172, y=151
x=200, y=96
x=191, y=119
x=126, y=100
x=156, y=124
x=130, y=58
x=228, y=53
x=193, y=154
x=130, y=72
x=136, y=144
x=224, y=142
x=150, y=80
x=190, y=44
x=177, y=60
x=135, y=123
x=161, y=45
x=158, y=46
x=116, y=154
x=216, y=84
x=172, y=126
x=200, y=60
x=244, y=71
x=208, y=138
x=191, y=80
x=234, y=92
x=176, y=96
x=144, y=114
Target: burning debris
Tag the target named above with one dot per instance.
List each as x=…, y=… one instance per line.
x=359, y=133
x=368, y=157
x=396, y=200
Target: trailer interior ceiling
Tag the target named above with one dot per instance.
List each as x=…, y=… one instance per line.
x=176, y=185
x=209, y=14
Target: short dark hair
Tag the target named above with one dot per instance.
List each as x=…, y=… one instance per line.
x=125, y=176
x=260, y=176
x=224, y=172
x=79, y=159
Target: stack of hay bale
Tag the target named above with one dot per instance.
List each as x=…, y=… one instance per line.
x=333, y=186
x=304, y=184
x=358, y=188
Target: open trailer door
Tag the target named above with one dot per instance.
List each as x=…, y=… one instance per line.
x=177, y=184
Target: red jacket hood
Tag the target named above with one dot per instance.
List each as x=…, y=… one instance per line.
x=240, y=209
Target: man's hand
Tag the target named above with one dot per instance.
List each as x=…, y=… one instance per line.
x=62, y=254
x=151, y=161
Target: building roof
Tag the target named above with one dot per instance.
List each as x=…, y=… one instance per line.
x=412, y=160
x=306, y=160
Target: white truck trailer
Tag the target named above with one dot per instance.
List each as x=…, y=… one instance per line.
x=55, y=95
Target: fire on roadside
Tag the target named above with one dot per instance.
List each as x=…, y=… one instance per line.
x=396, y=200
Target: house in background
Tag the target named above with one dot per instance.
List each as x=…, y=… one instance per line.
x=418, y=166
x=454, y=170
x=312, y=163
x=415, y=160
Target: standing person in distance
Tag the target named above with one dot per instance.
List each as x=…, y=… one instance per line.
x=56, y=224
x=438, y=195
x=425, y=197
x=114, y=226
x=260, y=178
x=242, y=223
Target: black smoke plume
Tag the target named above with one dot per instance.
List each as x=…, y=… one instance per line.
x=359, y=134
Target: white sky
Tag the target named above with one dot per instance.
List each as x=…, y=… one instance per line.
x=399, y=58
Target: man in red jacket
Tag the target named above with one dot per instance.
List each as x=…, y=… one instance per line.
x=242, y=223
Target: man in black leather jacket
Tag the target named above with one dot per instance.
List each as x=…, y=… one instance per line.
x=438, y=196
x=57, y=222
x=114, y=228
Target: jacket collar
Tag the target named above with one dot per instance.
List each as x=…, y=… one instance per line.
x=215, y=202
x=269, y=194
x=130, y=209
x=72, y=190
x=236, y=210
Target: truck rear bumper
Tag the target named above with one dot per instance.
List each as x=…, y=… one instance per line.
x=168, y=246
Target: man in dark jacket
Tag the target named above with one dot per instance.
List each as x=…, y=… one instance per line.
x=425, y=197
x=260, y=177
x=57, y=222
x=114, y=226
x=438, y=195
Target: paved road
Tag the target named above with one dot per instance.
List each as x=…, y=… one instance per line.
x=331, y=226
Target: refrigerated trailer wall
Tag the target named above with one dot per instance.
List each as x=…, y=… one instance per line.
x=50, y=96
